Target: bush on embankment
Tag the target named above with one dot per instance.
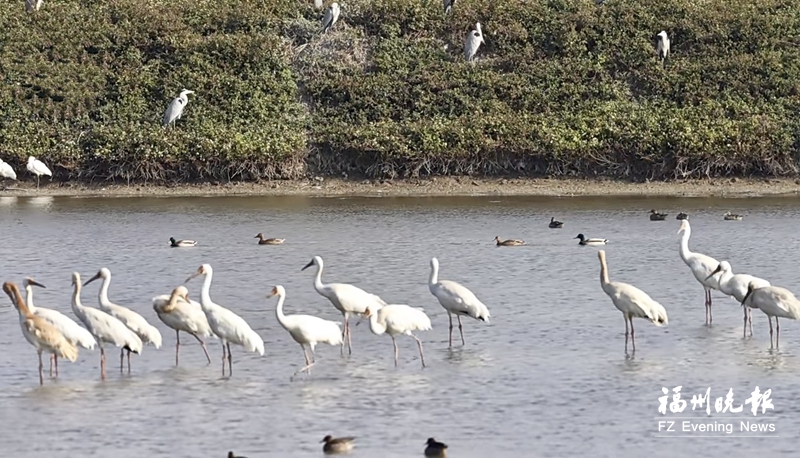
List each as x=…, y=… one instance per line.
x=561, y=88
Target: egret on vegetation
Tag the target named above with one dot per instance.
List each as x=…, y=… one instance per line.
x=448, y=5
x=306, y=329
x=631, y=301
x=456, y=299
x=702, y=266
x=181, y=243
x=555, y=224
x=71, y=330
x=41, y=334
x=228, y=326
x=176, y=107
x=331, y=16
x=263, y=241
x=348, y=299
x=663, y=46
x=473, y=42
x=6, y=171
x=33, y=5
x=774, y=301
x=135, y=322
x=434, y=449
x=656, y=216
x=180, y=313
x=737, y=286
x=399, y=319
x=336, y=445
x=584, y=241
x=37, y=167
x=509, y=242
x=732, y=217
x=104, y=327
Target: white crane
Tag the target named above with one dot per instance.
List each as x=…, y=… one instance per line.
x=306, y=329
x=631, y=301
x=37, y=167
x=736, y=286
x=774, y=301
x=348, y=299
x=33, y=5
x=473, y=42
x=399, y=319
x=662, y=48
x=180, y=313
x=132, y=320
x=702, y=266
x=330, y=17
x=104, y=327
x=176, y=107
x=228, y=326
x=456, y=299
x=71, y=330
x=41, y=334
x=6, y=171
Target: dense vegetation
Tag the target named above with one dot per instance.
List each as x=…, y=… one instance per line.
x=561, y=88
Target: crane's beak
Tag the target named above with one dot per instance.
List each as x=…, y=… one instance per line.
x=308, y=265
x=97, y=275
x=193, y=275
x=718, y=269
x=33, y=282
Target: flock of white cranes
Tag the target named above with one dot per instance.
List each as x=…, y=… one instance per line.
x=54, y=333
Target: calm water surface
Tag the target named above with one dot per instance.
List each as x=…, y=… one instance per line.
x=547, y=377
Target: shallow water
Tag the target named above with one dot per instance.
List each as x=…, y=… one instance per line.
x=547, y=377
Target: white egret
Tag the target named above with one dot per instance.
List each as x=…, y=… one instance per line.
x=6, y=171
x=662, y=48
x=456, y=299
x=306, y=329
x=176, y=107
x=331, y=16
x=180, y=313
x=399, y=319
x=435, y=449
x=774, y=301
x=509, y=242
x=473, y=42
x=736, y=286
x=33, y=5
x=337, y=445
x=702, y=266
x=318, y=4
x=181, y=243
x=71, y=330
x=41, y=334
x=228, y=326
x=104, y=327
x=135, y=322
x=448, y=5
x=584, y=241
x=348, y=299
x=631, y=301
x=37, y=167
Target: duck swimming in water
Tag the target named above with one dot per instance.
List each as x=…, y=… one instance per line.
x=263, y=241
x=584, y=241
x=732, y=217
x=337, y=445
x=435, y=449
x=555, y=224
x=682, y=216
x=656, y=216
x=509, y=242
x=181, y=243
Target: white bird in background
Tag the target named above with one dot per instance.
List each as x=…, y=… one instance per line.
x=132, y=320
x=176, y=107
x=662, y=48
x=180, y=313
x=306, y=329
x=318, y=4
x=33, y=5
x=104, y=327
x=702, y=266
x=448, y=5
x=71, y=330
x=331, y=16
x=348, y=299
x=37, y=167
x=228, y=326
x=41, y=334
x=774, y=301
x=456, y=299
x=399, y=319
x=473, y=42
x=6, y=171
x=736, y=286
x=631, y=301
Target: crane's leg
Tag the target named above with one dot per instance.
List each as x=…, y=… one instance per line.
x=203, y=344
x=344, y=333
x=349, y=336
x=750, y=320
x=37, y=182
x=177, y=346
x=309, y=363
x=121, y=358
x=744, y=327
x=230, y=360
x=102, y=362
x=41, y=367
x=129, y=361
x=633, y=335
x=770, y=331
x=55, y=358
x=51, y=363
x=419, y=344
x=223, y=358
x=460, y=329
x=625, y=317
x=450, y=340
x=710, y=318
x=396, y=351
x=777, y=333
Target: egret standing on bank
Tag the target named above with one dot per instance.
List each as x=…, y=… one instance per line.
x=37, y=167
x=456, y=299
x=662, y=48
x=473, y=42
x=176, y=107
x=6, y=171
x=702, y=266
x=331, y=16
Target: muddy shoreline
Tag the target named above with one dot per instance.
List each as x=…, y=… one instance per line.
x=440, y=186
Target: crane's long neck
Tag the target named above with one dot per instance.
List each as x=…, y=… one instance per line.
x=279, y=310
x=724, y=277
x=29, y=298
x=318, y=280
x=102, y=296
x=685, y=253
x=434, y=277
x=205, y=293
x=604, y=281
x=22, y=308
x=77, y=307
x=374, y=326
